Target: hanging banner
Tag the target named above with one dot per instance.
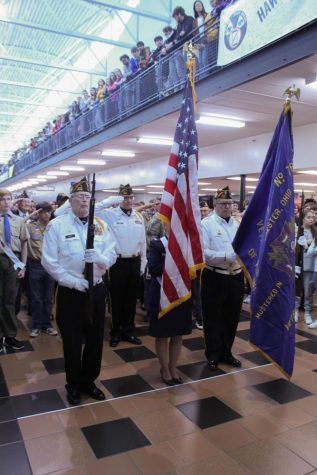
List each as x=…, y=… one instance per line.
x=248, y=25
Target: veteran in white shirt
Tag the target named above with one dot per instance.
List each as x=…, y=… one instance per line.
x=222, y=283
x=64, y=256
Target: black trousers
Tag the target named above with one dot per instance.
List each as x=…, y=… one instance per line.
x=221, y=298
x=82, y=366
x=124, y=285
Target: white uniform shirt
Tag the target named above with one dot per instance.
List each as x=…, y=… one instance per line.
x=64, y=248
x=218, y=235
x=128, y=232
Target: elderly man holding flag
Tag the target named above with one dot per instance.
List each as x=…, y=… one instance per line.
x=265, y=244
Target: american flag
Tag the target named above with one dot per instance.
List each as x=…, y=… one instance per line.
x=180, y=208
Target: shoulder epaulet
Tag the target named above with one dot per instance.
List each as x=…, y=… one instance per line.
x=101, y=223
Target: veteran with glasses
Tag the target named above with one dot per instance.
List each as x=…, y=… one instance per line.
x=64, y=256
x=222, y=283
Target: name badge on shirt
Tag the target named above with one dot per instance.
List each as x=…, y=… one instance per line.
x=137, y=221
x=70, y=236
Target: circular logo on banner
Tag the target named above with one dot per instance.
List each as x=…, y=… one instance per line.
x=235, y=30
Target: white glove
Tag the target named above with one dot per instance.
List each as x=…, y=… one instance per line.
x=302, y=241
x=92, y=256
x=81, y=285
x=231, y=256
x=62, y=209
x=298, y=270
x=112, y=200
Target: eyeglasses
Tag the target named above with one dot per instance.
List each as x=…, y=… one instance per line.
x=225, y=204
x=82, y=196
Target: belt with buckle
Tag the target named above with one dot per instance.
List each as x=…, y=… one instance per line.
x=128, y=256
x=220, y=270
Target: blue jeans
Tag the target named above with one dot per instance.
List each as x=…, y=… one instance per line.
x=42, y=291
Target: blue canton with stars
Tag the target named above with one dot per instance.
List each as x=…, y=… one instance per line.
x=186, y=133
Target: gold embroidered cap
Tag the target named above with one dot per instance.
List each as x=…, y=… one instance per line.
x=78, y=187
x=125, y=190
x=224, y=194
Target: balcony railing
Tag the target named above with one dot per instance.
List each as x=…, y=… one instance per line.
x=162, y=79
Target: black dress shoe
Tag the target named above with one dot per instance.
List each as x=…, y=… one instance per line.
x=132, y=339
x=73, y=395
x=232, y=361
x=168, y=382
x=92, y=391
x=213, y=365
x=178, y=380
x=114, y=341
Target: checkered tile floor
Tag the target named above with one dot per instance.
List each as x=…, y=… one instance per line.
x=224, y=422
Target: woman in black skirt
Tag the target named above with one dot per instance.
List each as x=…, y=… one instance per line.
x=169, y=328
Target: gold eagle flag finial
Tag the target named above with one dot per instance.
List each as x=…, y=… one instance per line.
x=290, y=92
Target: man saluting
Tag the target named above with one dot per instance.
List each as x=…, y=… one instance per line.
x=64, y=257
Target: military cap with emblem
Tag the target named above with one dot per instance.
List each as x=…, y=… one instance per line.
x=204, y=205
x=24, y=195
x=80, y=186
x=125, y=190
x=224, y=194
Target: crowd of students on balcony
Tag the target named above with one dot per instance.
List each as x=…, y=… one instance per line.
x=164, y=78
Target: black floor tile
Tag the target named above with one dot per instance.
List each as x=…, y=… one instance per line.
x=194, y=344
x=244, y=316
x=9, y=432
x=143, y=330
x=9, y=351
x=255, y=357
x=36, y=403
x=3, y=389
x=243, y=334
x=126, y=385
x=6, y=409
x=309, y=345
x=54, y=365
x=208, y=412
x=308, y=335
x=136, y=353
x=199, y=370
x=114, y=437
x=14, y=460
x=282, y=391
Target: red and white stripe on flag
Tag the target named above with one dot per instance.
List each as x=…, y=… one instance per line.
x=184, y=253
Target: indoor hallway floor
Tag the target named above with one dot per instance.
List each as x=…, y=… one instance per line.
x=229, y=422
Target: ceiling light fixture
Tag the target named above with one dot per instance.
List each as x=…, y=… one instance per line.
x=48, y=177
x=154, y=192
x=72, y=168
x=203, y=183
x=209, y=189
x=117, y=153
x=305, y=191
x=307, y=172
x=109, y=191
x=305, y=184
x=155, y=186
x=87, y=161
x=58, y=173
x=138, y=189
x=237, y=178
x=220, y=121
x=251, y=187
x=155, y=140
